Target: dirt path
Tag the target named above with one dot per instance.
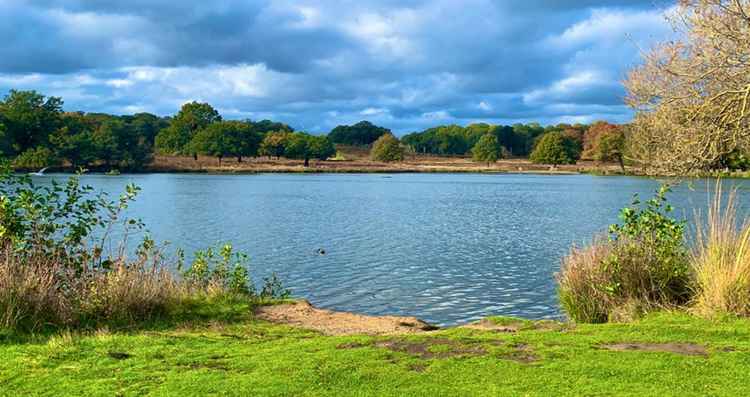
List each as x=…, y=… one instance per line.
x=304, y=315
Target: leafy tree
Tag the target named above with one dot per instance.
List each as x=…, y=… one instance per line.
x=34, y=159
x=73, y=142
x=487, y=149
x=191, y=118
x=6, y=148
x=574, y=138
x=611, y=147
x=274, y=144
x=244, y=137
x=321, y=147
x=218, y=139
x=145, y=125
x=300, y=145
x=691, y=92
x=387, y=148
x=104, y=139
x=234, y=138
x=296, y=146
x=527, y=135
x=591, y=138
x=553, y=148
x=29, y=118
x=360, y=134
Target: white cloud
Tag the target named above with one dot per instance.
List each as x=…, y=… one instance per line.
x=373, y=111
x=566, y=87
x=119, y=83
x=484, y=106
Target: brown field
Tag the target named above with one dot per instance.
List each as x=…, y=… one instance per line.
x=356, y=160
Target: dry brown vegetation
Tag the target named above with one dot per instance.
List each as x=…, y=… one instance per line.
x=692, y=94
x=356, y=160
x=40, y=292
x=721, y=260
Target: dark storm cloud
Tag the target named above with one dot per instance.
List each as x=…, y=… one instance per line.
x=406, y=64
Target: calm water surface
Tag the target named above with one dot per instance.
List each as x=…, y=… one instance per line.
x=448, y=248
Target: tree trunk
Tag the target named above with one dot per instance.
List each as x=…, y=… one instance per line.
x=239, y=159
x=307, y=161
x=622, y=163
x=195, y=156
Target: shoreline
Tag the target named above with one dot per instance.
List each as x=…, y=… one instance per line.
x=302, y=314
x=413, y=165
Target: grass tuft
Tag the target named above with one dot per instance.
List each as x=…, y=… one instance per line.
x=721, y=260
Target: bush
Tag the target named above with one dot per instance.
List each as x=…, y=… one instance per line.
x=643, y=265
x=58, y=221
x=721, y=260
x=387, y=148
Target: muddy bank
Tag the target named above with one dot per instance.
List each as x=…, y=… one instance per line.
x=302, y=314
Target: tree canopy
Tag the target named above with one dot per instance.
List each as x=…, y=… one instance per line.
x=226, y=138
x=611, y=147
x=487, y=149
x=29, y=117
x=191, y=118
x=360, y=134
x=274, y=144
x=691, y=93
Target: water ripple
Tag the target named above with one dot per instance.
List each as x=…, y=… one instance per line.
x=446, y=248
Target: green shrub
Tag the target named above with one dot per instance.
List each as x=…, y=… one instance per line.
x=644, y=264
x=387, y=148
x=224, y=269
x=59, y=220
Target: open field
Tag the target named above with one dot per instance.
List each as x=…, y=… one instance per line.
x=664, y=354
x=356, y=160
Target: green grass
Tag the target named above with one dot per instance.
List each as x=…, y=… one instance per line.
x=241, y=356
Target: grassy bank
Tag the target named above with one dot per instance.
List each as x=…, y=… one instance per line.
x=662, y=354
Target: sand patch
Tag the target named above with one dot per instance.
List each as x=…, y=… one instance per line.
x=304, y=315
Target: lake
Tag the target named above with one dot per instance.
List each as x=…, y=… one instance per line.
x=447, y=248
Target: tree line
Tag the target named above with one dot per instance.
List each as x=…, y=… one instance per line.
x=35, y=132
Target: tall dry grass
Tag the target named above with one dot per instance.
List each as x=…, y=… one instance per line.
x=721, y=259
x=38, y=292
x=580, y=279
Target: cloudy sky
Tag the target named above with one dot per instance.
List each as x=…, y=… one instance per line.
x=406, y=64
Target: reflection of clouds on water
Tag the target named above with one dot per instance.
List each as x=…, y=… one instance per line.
x=447, y=248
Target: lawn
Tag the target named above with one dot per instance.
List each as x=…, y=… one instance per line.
x=663, y=354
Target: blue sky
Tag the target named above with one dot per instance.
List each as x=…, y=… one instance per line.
x=406, y=65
